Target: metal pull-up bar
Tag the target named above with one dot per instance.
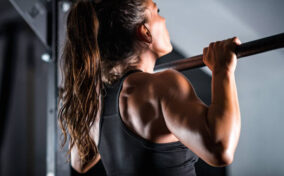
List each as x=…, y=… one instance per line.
x=245, y=49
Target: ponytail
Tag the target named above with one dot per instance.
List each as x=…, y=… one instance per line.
x=82, y=82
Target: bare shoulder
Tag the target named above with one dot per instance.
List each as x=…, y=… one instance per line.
x=139, y=78
x=136, y=85
x=170, y=82
x=171, y=76
x=160, y=83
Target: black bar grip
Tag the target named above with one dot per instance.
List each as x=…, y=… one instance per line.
x=243, y=50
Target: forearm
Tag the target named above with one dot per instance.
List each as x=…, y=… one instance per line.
x=223, y=113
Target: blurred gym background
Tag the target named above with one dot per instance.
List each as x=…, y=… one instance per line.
x=30, y=32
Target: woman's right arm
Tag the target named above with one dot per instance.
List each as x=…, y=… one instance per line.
x=211, y=132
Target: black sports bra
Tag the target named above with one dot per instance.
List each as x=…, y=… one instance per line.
x=125, y=153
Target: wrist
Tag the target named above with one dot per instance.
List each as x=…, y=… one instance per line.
x=224, y=72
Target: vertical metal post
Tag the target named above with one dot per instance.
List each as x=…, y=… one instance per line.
x=52, y=95
x=9, y=31
x=63, y=167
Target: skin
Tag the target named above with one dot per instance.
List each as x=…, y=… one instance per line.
x=170, y=110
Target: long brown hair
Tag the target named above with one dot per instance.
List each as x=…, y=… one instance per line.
x=101, y=45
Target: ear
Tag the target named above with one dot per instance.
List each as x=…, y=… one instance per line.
x=144, y=33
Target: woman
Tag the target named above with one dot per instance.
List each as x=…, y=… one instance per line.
x=115, y=109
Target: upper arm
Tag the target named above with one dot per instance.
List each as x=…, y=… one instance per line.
x=185, y=114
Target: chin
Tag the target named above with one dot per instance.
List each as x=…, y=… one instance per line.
x=170, y=49
x=167, y=51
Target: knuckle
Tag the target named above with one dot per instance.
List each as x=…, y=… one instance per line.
x=218, y=44
x=227, y=43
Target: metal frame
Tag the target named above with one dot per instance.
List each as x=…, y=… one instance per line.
x=52, y=94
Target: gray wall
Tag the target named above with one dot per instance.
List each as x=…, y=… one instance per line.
x=260, y=78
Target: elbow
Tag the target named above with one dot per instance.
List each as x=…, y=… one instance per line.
x=222, y=159
x=221, y=155
x=222, y=147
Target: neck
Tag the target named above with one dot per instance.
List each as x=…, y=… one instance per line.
x=147, y=61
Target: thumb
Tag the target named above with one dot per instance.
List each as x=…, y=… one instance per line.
x=236, y=40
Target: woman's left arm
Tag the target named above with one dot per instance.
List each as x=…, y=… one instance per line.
x=76, y=162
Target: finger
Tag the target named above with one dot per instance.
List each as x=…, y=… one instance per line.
x=205, y=54
x=233, y=43
x=218, y=42
x=211, y=45
x=205, y=50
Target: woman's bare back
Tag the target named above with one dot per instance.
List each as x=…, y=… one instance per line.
x=140, y=108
